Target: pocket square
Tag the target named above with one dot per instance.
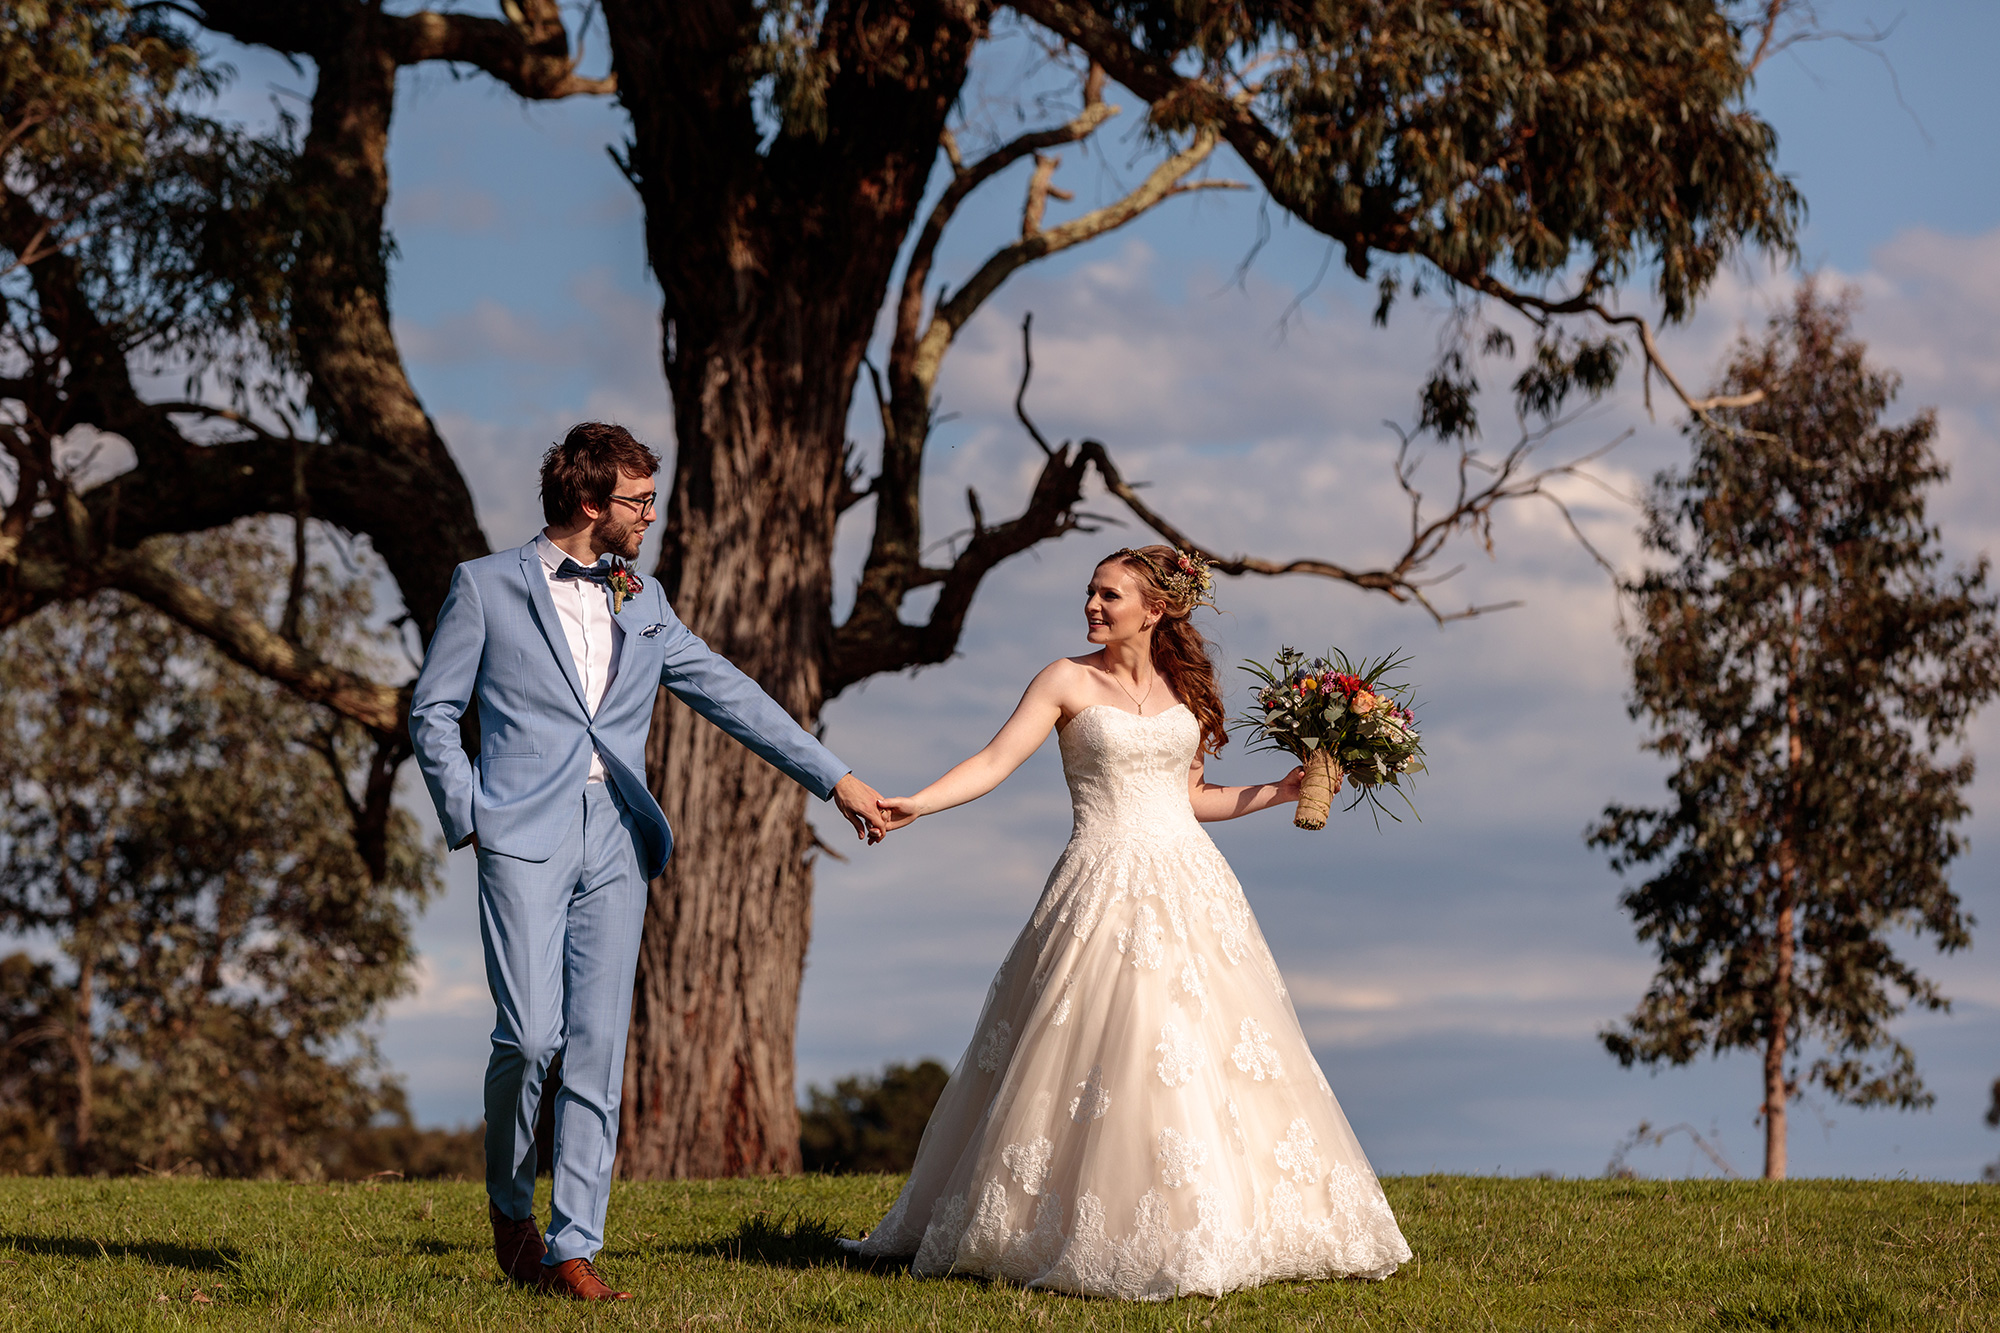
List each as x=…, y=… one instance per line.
x=651, y=630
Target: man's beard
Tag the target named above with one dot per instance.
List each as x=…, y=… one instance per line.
x=619, y=538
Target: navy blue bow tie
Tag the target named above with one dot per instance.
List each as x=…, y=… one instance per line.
x=569, y=569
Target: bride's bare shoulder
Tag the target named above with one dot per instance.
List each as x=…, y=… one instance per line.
x=1059, y=681
x=1068, y=684
x=1065, y=674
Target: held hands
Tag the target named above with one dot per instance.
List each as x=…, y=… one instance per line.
x=898, y=811
x=861, y=805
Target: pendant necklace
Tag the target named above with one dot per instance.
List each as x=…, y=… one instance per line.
x=1139, y=703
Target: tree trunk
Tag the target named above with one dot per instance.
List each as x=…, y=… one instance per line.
x=773, y=264
x=709, y=1075
x=1776, y=1093
x=84, y=1125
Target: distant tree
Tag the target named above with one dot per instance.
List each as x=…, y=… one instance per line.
x=397, y=1146
x=1992, y=1172
x=870, y=1124
x=37, y=1014
x=183, y=834
x=1805, y=664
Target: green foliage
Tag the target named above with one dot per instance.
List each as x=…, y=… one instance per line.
x=84, y=89
x=1510, y=135
x=867, y=1123
x=1807, y=666
x=1529, y=1255
x=1573, y=143
x=177, y=229
x=183, y=833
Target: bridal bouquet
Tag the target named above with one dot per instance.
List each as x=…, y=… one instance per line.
x=1338, y=719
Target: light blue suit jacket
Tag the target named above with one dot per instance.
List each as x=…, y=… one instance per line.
x=498, y=641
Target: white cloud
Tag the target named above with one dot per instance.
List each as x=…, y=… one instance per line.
x=447, y=985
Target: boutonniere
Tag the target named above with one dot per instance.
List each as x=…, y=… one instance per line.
x=624, y=585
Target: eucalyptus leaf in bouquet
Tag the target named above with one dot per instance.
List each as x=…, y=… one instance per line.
x=1343, y=722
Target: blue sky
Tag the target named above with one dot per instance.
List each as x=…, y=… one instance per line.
x=1451, y=973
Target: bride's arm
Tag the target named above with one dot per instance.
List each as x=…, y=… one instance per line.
x=1039, y=710
x=1213, y=804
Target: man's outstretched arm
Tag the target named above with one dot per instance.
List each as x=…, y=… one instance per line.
x=713, y=686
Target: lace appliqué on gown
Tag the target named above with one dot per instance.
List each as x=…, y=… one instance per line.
x=1254, y=1054
x=1123, y=1123
x=1180, y=1158
x=1181, y=1055
x=993, y=1054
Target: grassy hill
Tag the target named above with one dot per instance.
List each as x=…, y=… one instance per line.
x=726, y=1255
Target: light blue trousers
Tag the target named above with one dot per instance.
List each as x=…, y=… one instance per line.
x=562, y=941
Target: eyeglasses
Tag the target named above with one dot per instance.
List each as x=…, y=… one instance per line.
x=644, y=504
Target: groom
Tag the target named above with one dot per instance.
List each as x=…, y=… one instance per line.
x=561, y=647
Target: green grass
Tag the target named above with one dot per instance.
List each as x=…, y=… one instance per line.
x=1491, y=1254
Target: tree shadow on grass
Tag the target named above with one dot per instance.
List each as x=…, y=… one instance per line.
x=787, y=1240
x=160, y=1253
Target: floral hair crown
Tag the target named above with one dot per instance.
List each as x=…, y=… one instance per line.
x=1185, y=578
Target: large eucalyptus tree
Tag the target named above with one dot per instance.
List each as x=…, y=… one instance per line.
x=798, y=164
x=1811, y=669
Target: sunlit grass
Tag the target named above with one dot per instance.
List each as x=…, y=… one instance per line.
x=1506, y=1254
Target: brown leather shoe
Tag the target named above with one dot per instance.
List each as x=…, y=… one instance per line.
x=576, y=1279
x=517, y=1244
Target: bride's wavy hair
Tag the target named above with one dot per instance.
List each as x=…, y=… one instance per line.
x=1180, y=653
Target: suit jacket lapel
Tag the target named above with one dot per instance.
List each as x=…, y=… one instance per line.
x=632, y=618
x=544, y=607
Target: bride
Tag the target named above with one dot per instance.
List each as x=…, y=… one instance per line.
x=1138, y=1114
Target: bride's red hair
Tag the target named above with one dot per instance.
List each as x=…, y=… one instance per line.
x=1180, y=653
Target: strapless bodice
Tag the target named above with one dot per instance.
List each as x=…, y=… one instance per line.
x=1128, y=774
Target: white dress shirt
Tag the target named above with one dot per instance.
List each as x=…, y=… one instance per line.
x=595, y=638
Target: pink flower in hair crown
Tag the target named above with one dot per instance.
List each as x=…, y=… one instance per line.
x=1189, y=580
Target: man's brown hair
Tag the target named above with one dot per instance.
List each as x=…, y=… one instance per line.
x=584, y=469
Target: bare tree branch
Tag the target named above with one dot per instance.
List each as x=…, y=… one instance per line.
x=966, y=179
x=952, y=314
x=255, y=645
x=1768, y=42
x=871, y=642
x=529, y=50
x=874, y=638
x=369, y=813
x=1403, y=579
x=33, y=579
x=1040, y=188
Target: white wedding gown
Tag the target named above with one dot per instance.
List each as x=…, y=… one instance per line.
x=1138, y=1114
